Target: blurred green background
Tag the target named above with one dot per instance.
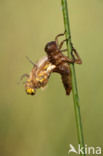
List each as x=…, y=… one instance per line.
x=44, y=124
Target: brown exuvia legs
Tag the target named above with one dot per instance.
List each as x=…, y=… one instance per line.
x=76, y=59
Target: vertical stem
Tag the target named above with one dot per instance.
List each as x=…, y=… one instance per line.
x=74, y=82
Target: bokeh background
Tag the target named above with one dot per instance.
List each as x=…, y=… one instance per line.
x=44, y=124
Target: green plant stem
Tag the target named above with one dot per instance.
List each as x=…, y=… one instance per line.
x=74, y=82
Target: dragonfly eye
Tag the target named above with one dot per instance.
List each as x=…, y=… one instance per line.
x=30, y=91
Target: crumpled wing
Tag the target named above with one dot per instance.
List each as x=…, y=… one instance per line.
x=41, y=75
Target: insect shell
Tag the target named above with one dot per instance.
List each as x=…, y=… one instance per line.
x=62, y=62
x=39, y=76
x=62, y=66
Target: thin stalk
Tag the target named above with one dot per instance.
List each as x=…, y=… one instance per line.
x=74, y=82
